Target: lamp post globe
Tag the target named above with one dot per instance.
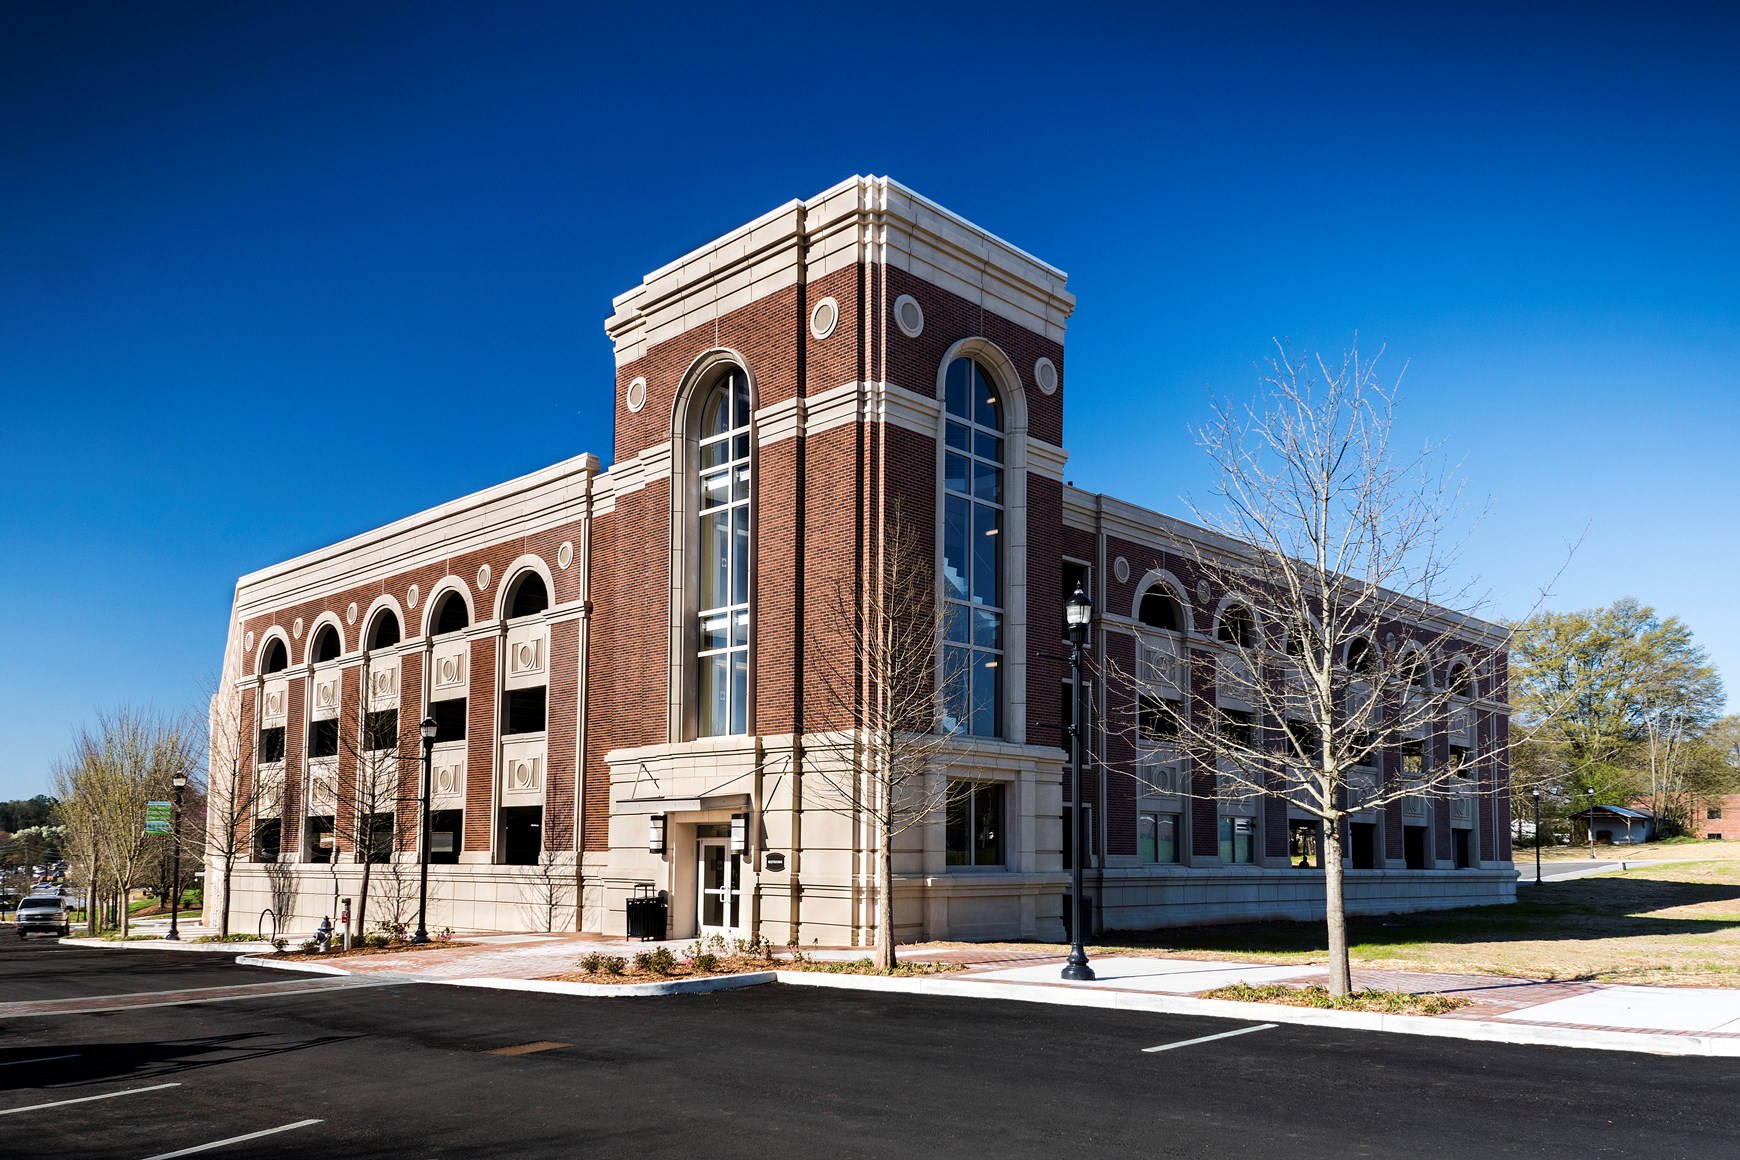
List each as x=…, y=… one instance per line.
x=1078, y=611
x=426, y=731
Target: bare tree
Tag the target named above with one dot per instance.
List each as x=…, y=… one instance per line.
x=1345, y=634
x=113, y=771
x=881, y=683
x=373, y=816
x=237, y=797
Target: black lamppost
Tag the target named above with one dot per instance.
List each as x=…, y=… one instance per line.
x=1079, y=611
x=1537, y=792
x=1591, y=821
x=179, y=781
x=427, y=730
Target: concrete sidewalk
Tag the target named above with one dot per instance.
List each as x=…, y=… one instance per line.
x=1664, y=1020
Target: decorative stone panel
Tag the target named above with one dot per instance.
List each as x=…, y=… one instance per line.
x=383, y=683
x=1157, y=664
x=522, y=773
x=1234, y=684
x=528, y=657
x=322, y=786
x=274, y=703
x=449, y=670
x=271, y=799
x=447, y=776
x=328, y=695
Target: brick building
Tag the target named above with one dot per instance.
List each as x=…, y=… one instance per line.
x=625, y=665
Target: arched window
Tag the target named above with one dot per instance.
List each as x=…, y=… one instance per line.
x=450, y=615
x=1360, y=657
x=1237, y=627
x=1413, y=668
x=1461, y=682
x=384, y=632
x=973, y=550
x=722, y=632
x=325, y=646
x=528, y=598
x=276, y=658
x=1161, y=609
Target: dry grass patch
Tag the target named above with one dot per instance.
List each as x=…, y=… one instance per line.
x=1383, y=1002
x=1677, y=923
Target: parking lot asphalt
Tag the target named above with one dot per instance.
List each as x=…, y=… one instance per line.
x=42, y=968
x=425, y=1070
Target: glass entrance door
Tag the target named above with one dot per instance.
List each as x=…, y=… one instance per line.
x=719, y=893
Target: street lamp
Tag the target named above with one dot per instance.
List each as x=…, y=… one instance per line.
x=1079, y=612
x=427, y=731
x=1591, y=821
x=1537, y=792
x=179, y=781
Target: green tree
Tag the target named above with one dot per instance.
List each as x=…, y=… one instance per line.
x=1618, y=699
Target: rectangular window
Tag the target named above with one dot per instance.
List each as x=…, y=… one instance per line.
x=1237, y=839
x=1302, y=849
x=381, y=730
x=1414, y=847
x=1413, y=759
x=1459, y=760
x=521, y=835
x=1462, y=846
x=1156, y=719
x=1364, y=752
x=323, y=738
x=1713, y=814
x=1157, y=838
x=523, y=711
x=1237, y=728
x=272, y=745
x=317, y=845
x=267, y=840
x=449, y=720
x=1362, y=845
x=380, y=838
x=1304, y=741
x=446, y=835
x=973, y=824
x=1070, y=831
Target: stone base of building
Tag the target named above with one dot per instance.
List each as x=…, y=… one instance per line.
x=1143, y=900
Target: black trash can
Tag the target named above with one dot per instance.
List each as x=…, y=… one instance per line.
x=646, y=915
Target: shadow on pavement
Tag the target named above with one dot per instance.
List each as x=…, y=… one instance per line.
x=93, y=1062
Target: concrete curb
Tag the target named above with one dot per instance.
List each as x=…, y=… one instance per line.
x=158, y=944
x=620, y=990
x=277, y=964
x=1477, y=1030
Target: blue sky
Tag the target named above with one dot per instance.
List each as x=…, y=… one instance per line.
x=272, y=274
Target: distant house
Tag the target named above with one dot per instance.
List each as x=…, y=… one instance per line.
x=1617, y=825
x=1719, y=818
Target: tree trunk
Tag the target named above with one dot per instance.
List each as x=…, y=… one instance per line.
x=362, y=896
x=224, y=914
x=1335, y=909
x=885, y=895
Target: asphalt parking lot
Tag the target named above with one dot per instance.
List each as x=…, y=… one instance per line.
x=422, y=1070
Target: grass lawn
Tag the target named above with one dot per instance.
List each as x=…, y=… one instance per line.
x=1674, y=923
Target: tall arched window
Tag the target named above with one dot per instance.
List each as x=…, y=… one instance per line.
x=1161, y=609
x=326, y=645
x=276, y=660
x=529, y=597
x=722, y=632
x=973, y=551
x=451, y=616
x=384, y=633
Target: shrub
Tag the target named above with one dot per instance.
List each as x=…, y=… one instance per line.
x=593, y=964
x=704, y=961
x=615, y=964
x=308, y=946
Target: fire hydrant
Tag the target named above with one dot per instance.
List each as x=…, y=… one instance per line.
x=323, y=935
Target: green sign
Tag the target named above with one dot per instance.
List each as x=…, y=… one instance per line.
x=157, y=817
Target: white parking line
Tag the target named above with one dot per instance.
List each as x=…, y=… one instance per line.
x=87, y=1099
x=41, y=1059
x=233, y=1140
x=1210, y=1038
